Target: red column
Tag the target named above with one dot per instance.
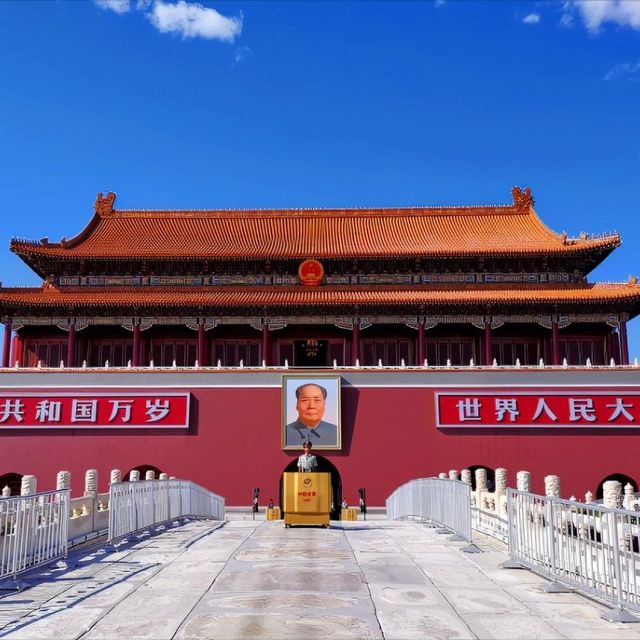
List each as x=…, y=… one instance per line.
x=422, y=352
x=555, y=344
x=355, y=341
x=266, y=344
x=71, y=345
x=488, y=352
x=202, y=345
x=6, y=347
x=136, y=345
x=624, y=344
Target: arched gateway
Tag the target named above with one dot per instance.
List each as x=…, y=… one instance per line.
x=336, y=483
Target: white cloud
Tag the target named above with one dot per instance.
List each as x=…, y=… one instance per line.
x=241, y=54
x=625, y=71
x=119, y=6
x=192, y=20
x=532, y=18
x=595, y=13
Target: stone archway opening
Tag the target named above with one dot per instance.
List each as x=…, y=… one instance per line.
x=491, y=476
x=326, y=466
x=13, y=481
x=143, y=468
x=622, y=478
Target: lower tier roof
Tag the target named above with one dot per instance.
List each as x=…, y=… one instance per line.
x=48, y=299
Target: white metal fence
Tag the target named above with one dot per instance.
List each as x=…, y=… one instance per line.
x=447, y=502
x=134, y=506
x=34, y=530
x=583, y=546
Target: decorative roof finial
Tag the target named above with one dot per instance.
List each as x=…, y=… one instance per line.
x=104, y=205
x=522, y=199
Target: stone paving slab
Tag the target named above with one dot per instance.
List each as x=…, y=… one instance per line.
x=255, y=579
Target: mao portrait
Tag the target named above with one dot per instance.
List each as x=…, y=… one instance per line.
x=311, y=411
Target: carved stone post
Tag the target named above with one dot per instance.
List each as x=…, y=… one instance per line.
x=629, y=496
x=501, y=481
x=115, y=476
x=481, y=480
x=588, y=497
x=443, y=476
x=465, y=476
x=523, y=481
x=150, y=475
x=63, y=480
x=454, y=475
x=91, y=483
x=163, y=476
x=134, y=475
x=28, y=485
x=6, y=491
x=552, y=486
x=612, y=494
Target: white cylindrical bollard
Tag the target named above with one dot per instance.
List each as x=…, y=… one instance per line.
x=134, y=475
x=501, y=481
x=465, y=476
x=612, y=494
x=163, y=476
x=28, y=485
x=481, y=480
x=115, y=476
x=63, y=480
x=629, y=496
x=523, y=481
x=91, y=482
x=150, y=475
x=453, y=474
x=552, y=486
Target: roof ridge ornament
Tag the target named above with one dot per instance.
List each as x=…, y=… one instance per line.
x=522, y=198
x=104, y=204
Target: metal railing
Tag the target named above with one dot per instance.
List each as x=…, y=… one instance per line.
x=446, y=502
x=586, y=547
x=135, y=506
x=34, y=530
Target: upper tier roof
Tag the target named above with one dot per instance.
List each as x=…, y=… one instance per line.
x=315, y=233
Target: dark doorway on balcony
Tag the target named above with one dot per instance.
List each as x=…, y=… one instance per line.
x=310, y=353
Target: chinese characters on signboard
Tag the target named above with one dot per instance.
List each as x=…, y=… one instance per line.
x=569, y=408
x=81, y=410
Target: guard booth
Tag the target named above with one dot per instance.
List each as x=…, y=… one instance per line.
x=307, y=498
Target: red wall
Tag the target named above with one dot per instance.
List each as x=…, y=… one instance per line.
x=389, y=437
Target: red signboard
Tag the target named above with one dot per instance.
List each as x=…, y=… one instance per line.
x=93, y=410
x=549, y=409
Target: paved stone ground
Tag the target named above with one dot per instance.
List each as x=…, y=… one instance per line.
x=259, y=580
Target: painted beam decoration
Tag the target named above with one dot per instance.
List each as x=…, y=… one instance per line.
x=572, y=408
x=29, y=410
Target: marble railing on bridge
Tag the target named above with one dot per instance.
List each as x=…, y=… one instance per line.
x=489, y=507
x=89, y=513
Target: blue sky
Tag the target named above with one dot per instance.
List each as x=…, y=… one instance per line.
x=303, y=104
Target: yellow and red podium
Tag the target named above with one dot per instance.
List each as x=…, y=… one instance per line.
x=307, y=498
